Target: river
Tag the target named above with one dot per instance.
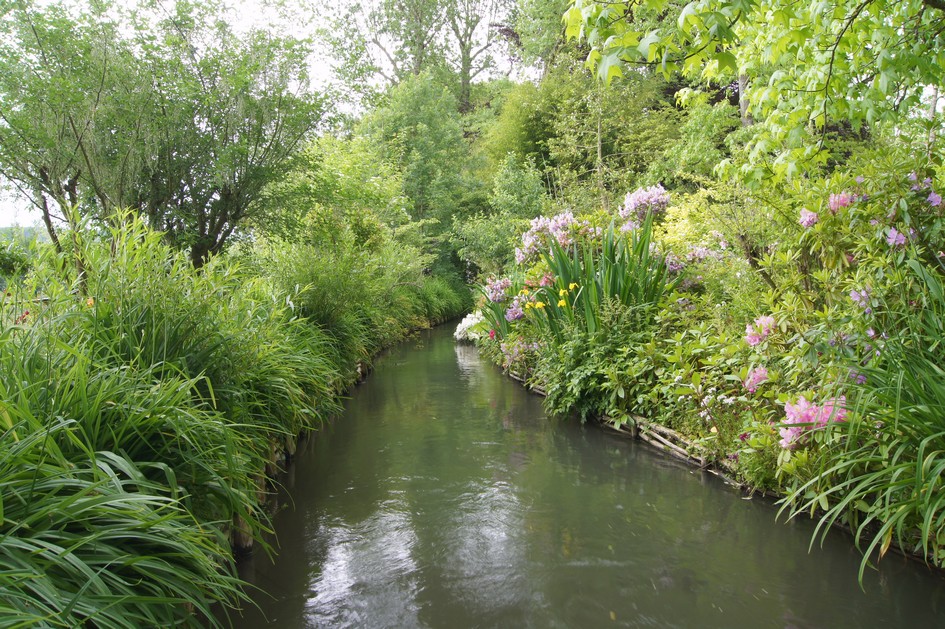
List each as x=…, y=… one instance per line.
x=445, y=497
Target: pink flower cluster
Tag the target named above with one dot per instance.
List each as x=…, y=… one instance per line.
x=808, y=219
x=561, y=228
x=638, y=203
x=803, y=416
x=837, y=201
x=495, y=289
x=759, y=331
x=755, y=377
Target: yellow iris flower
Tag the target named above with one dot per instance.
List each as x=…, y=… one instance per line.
x=562, y=303
x=572, y=285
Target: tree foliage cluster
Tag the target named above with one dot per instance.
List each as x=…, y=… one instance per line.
x=161, y=108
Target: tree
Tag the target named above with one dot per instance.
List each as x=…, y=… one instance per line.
x=380, y=44
x=854, y=61
x=419, y=129
x=166, y=111
x=473, y=29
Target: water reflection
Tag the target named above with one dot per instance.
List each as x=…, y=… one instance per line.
x=445, y=498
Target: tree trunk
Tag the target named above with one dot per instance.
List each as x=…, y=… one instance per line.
x=743, y=101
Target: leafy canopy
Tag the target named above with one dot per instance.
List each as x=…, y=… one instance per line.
x=807, y=64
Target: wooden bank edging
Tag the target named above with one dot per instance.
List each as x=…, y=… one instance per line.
x=677, y=446
x=660, y=437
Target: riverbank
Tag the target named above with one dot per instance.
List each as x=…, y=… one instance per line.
x=144, y=404
x=687, y=448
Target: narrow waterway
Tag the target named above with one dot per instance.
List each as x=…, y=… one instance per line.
x=445, y=497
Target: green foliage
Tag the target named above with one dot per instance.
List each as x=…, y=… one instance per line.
x=95, y=542
x=603, y=140
x=699, y=148
x=539, y=29
x=807, y=66
x=487, y=240
x=522, y=125
x=334, y=185
x=418, y=128
x=169, y=112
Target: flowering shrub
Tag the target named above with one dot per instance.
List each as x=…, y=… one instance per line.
x=643, y=201
x=471, y=327
x=842, y=268
x=760, y=330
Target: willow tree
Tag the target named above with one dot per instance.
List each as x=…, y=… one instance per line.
x=163, y=109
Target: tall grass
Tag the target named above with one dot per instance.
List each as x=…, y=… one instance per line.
x=139, y=405
x=590, y=273
x=886, y=476
x=362, y=298
x=94, y=542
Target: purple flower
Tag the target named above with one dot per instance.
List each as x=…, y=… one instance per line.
x=495, y=289
x=895, y=239
x=935, y=199
x=515, y=312
x=857, y=377
x=561, y=228
x=673, y=264
x=642, y=200
x=860, y=179
x=808, y=219
x=861, y=297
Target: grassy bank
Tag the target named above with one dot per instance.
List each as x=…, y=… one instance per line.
x=142, y=402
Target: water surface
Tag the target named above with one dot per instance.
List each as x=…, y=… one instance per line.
x=445, y=497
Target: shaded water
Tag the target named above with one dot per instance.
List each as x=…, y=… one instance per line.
x=444, y=497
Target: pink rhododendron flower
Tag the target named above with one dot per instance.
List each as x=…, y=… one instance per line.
x=755, y=377
x=802, y=416
x=808, y=219
x=759, y=331
x=834, y=410
x=837, y=201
